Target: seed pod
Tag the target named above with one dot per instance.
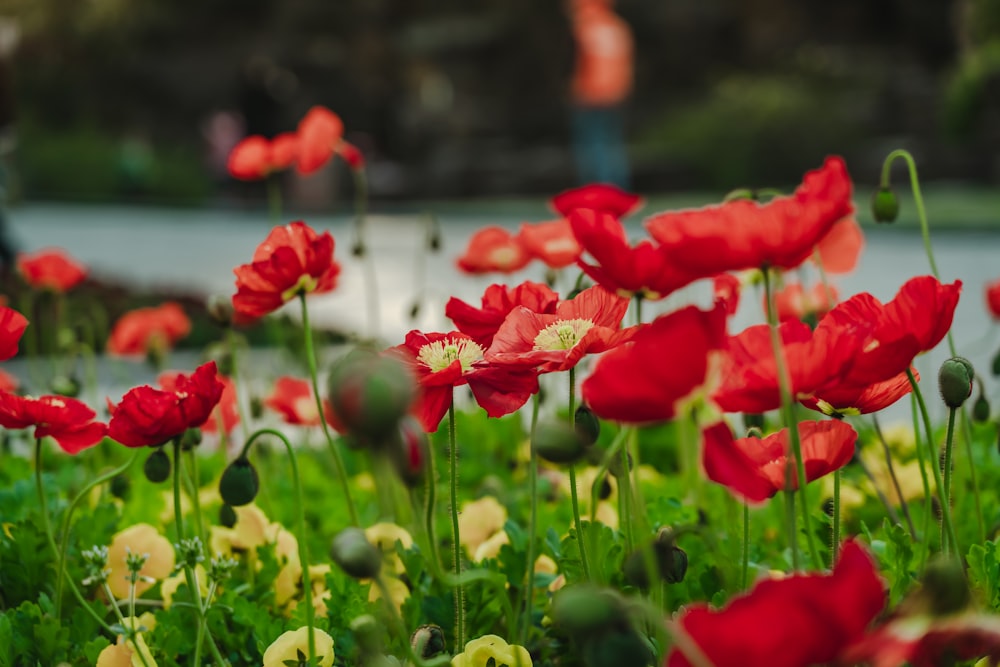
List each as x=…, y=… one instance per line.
x=239, y=483
x=157, y=466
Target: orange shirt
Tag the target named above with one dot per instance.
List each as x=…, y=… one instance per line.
x=603, y=72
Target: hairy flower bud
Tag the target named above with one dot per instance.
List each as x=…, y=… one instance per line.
x=885, y=205
x=557, y=442
x=370, y=393
x=239, y=483
x=981, y=408
x=428, y=641
x=157, y=466
x=955, y=381
x=587, y=425
x=355, y=555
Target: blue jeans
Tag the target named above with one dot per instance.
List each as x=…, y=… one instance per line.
x=599, y=145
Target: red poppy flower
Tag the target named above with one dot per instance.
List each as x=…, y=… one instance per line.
x=803, y=619
x=744, y=234
x=494, y=249
x=726, y=288
x=915, y=321
x=923, y=640
x=12, y=326
x=587, y=324
x=226, y=410
x=441, y=362
x=793, y=302
x=320, y=132
x=755, y=469
x=293, y=399
x=843, y=399
x=840, y=249
x=600, y=197
x=151, y=417
x=50, y=269
x=497, y=302
x=66, y=420
x=993, y=298
x=255, y=157
x=552, y=242
x=665, y=368
x=814, y=360
x=293, y=259
x=622, y=268
x=140, y=331
x=352, y=155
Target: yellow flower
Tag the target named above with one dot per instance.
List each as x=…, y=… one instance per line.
x=545, y=565
x=478, y=520
x=173, y=582
x=286, y=584
x=397, y=591
x=140, y=539
x=320, y=594
x=491, y=547
x=294, y=644
x=384, y=536
x=123, y=653
x=478, y=653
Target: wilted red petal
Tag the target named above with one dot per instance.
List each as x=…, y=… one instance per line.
x=804, y=619
x=744, y=234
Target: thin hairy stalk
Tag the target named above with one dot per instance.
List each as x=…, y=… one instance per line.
x=455, y=536
x=334, y=451
x=947, y=527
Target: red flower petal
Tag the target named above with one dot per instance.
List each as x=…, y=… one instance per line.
x=493, y=249
x=50, y=269
x=319, y=132
x=993, y=298
x=250, y=159
x=137, y=331
x=840, y=249
x=552, y=242
x=66, y=420
x=601, y=197
x=12, y=326
x=497, y=302
x=293, y=399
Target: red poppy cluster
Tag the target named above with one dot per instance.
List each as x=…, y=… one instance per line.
x=319, y=136
x=50, y=269
x=144, y=330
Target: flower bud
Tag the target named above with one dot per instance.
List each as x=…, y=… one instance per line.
x=157, y=466
x=981, y=408
x=191, y=438
x=121, y=486
x=617, y=468
x=588, y=426
x=428, y=641
x=671, y=561
x=955, y=381
x=239, y=483
x=944, y=586
x=995, y=364
x=753, y=420
x=370, y=393
x=557, y=442
x=885, y=205
x=355, y=555
x=584, y=610
x=227, y=516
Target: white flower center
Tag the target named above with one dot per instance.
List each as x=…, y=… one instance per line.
x=562, y=334
x=443, y=353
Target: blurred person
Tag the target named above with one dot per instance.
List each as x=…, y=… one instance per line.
x=600, y=85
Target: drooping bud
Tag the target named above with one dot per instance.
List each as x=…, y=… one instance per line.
x=370, y=393
x=955, y=381
x=355, y=555
x=585, y=610
x=557, y=442
x=227, y=516
x=885, y=205
x=671, y=561
x=409, y=452
x=944, y=586
x=239, y=483
x=428, y=641
x=121, y=486
x=157, y=466
x=981, y=408
x=588, y=426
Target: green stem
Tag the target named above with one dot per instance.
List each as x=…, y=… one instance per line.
x=918, y=199
x=67, y=518
x=577, y=523
x=745, y=570
x=949, y=439
x=274, y=198
x=788, y=416
x=529, y=595
x=195, y=496
x=301, y=519
x=967, y=438
x=430, y=506
x=455, y=536
x=313, y=375
x=835, y=542
x=128, y=626
x=947, y=527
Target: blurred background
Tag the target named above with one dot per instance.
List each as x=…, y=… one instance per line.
x=125, y=101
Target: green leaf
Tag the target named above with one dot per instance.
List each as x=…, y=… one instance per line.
x=984, y=573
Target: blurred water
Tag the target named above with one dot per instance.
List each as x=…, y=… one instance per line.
x=196, y=250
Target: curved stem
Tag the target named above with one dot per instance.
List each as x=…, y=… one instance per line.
x=918, y=199
x=313, y=375
x=947, y=527
x=67, y=518
x=529, y=595
x=301, y=519
x=949, y=438
x=455, y=536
